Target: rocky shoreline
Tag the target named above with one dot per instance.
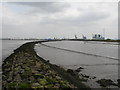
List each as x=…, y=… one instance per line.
x=106, y=84
x=25, y=69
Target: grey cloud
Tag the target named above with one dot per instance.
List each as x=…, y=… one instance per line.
x=87, y=18
x=93, y=16
x=88, y=22
x=45, y=7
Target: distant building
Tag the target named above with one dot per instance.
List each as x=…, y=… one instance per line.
x=98, y=37
x=75, y=36
x=84, y=37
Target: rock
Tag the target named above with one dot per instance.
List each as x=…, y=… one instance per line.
x=93, y=77
x=36, y=76
x=34, y=85
x=16, y=65
x=11, y=85
x=106, y=82
x=43, y=81
x=31, y=79
x=24, y=85
x=17, y=78
x=21, y=71
x=118, y=82
x=48, y=61
x=39, y=70
x=43, y=72
x=70, y=71
x=49, y=86
x=9, y=79
x=57, y=77
x=31, y=63
x=34, y=72
x=86, y=76
x=7, y=70
x=79, y=69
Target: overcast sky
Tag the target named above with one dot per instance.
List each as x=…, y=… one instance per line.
x=59, y=19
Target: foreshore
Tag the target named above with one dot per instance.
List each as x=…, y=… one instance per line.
x=25, y=69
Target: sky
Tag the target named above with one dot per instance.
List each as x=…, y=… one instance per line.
x=59, y=19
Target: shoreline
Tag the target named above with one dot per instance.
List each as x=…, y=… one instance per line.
x=106, y=40
x=15, y=66
x=27, y=51
x=80, y=52
x=91, y=81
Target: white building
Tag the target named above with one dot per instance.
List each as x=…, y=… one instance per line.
x=84, y=37
x=97, y=37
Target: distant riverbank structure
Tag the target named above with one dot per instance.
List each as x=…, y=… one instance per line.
x=76, y=37
x=84, y=37
x=98, y=37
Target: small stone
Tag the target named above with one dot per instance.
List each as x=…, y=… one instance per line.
x=31, y=78
x=35, y=85
x=79, y=69
x=38, y=76
x=105, y=82
x=48, y=61
x=57, y=77
x=86, y=76
x=9, y=79
x=93, y=77
x=34, y=72
x=43, y=81
x=21, y=71
x=17, y=78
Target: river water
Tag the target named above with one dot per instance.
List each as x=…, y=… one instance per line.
x=99, y=59
x=9, y=45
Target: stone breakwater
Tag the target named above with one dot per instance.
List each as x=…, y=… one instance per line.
x=25, y=69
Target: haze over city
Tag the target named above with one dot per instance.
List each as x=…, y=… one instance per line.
x=59, y=19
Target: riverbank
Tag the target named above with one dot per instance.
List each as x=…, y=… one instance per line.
x=107, y=40
x=105, y=70
x=25, y=69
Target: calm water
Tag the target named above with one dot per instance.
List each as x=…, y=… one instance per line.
x=68, y=55
x=9, y=45
x=96, y=48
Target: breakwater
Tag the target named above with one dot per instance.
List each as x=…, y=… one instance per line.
x=25, y=69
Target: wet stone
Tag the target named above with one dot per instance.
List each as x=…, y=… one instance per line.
x=79, y=69
x=106, y=82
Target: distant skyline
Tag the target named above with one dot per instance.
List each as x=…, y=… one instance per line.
x=59, y=19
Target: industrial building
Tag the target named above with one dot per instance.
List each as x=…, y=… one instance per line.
x=97, y=37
